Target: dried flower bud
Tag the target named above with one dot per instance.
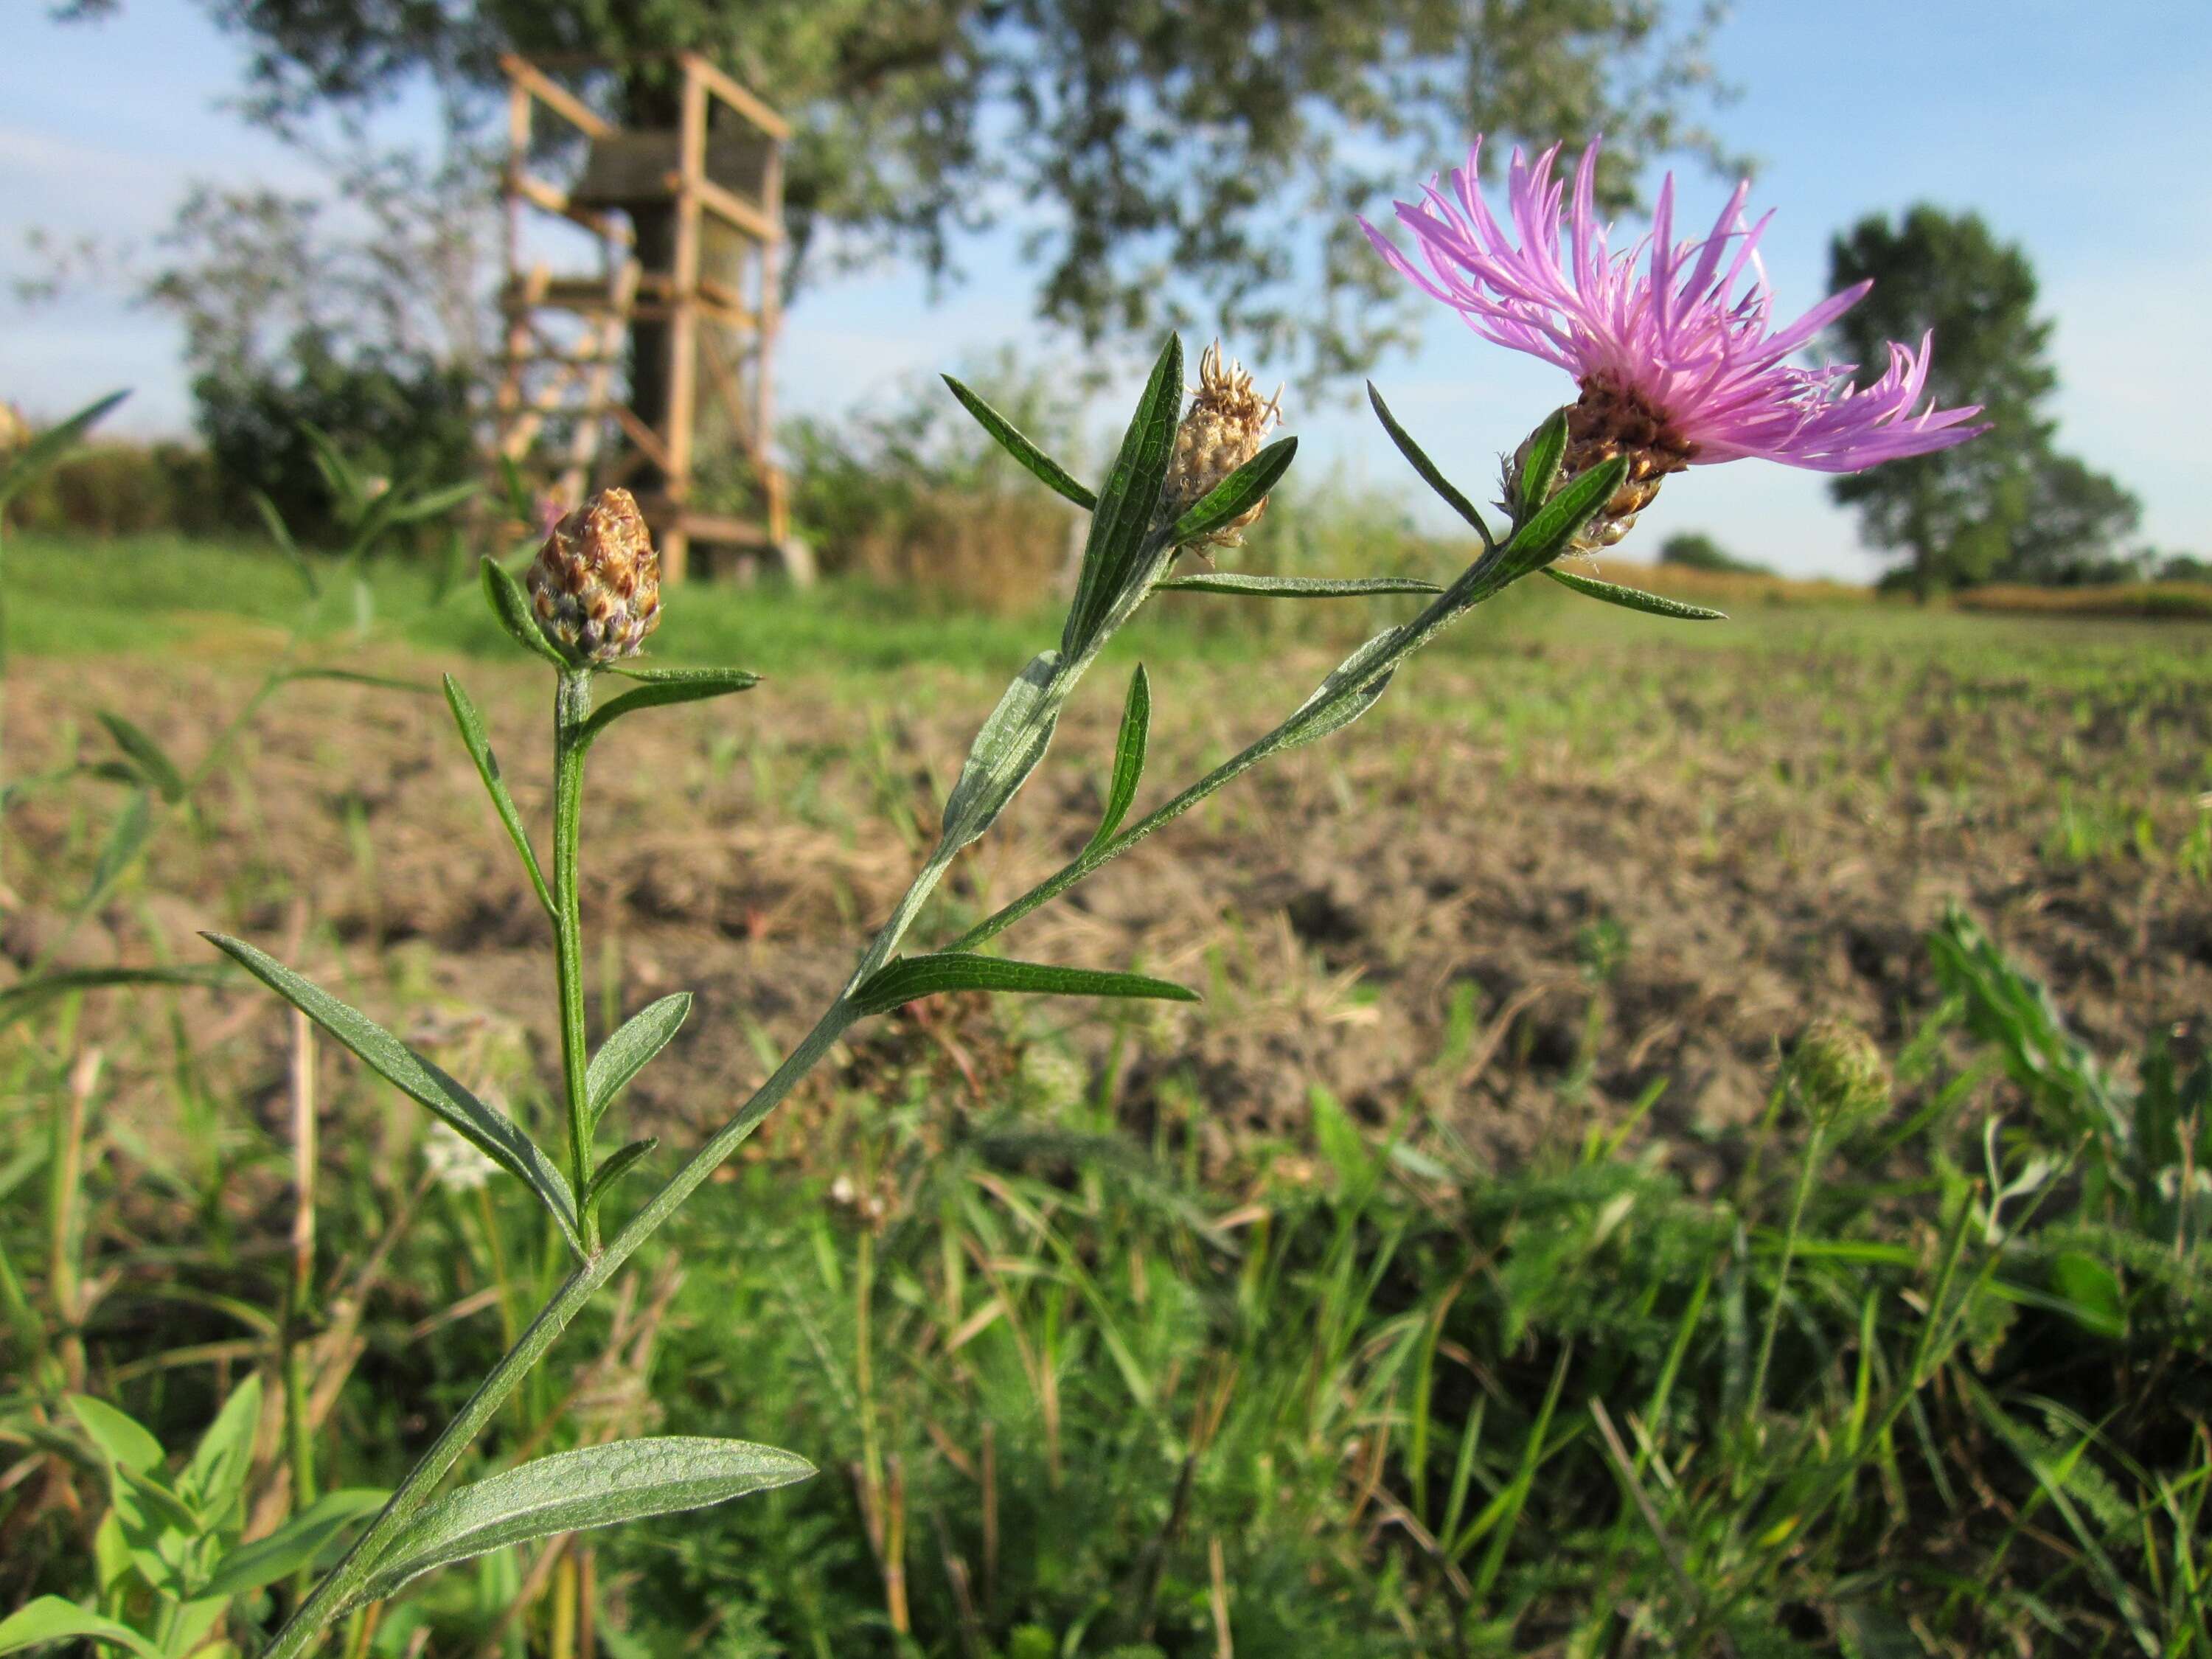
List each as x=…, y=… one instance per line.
x=1837, y=1073
x=1611, y=418
x=1223, y=430
x=595, y=584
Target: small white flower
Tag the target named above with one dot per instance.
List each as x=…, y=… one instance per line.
x=453, y=1161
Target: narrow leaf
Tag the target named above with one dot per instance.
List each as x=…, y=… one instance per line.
x=354, y=677
x=669, y=686
x=635, y=1042
x=217, y=1470
x=958, y=971
x=1540, y=473
x=21, y=998
x=151, y=760
x=1559, y=520
x=1128, y=754
x=591, y=1487
x=1236, y=494
x=1635, y=598
x=1005, y=752
x=1128, y=501
x=1431, y=475
x=434, y=503
x=518, y=500
x=121, y=1438
x=281, y=533
x=512, y=606
x=490, y=1131
x=296, y=1545
x=345, y=488
x=480, y=750
x=1295, y=588
x=617, y=1166
x=49, y=1619
x=1049, y=471
x=39, y=455
x=124, y=843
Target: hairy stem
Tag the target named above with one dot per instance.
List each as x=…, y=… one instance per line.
x=572, y=707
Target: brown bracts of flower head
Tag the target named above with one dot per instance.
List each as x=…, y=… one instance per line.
x=1612, y=419
x=595, y=584
x=1227, y=420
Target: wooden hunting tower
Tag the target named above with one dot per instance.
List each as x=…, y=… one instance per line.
x=666, y=348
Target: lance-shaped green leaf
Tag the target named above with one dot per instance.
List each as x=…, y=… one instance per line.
x=121, y=1439
x=294, y=1546
x=1125, y=505
x=959, y=970
x=512, y=606
x=591, y=1487
x=618, y=1164
x=497, y=1136
x=1010, y=437
x=663, y=686
x=1295, y=588
x=354, y=677
x=212, y=1480
x=346, y=488
x=147, y=758
x=1560, y=520
x=1635, y=598
x=432, y=503
x=1539, y=472
x=624, y=1054
x=281, y=533
x=1236, y=494
x=519, y=501
x=32, y=461
x=46, y=1618
x=480, y=750
x=1128, y=754
x=27, y=995
x=125, y=840
x=1432, y=474
x=1005, y=752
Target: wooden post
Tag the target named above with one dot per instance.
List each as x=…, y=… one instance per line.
x=684, y=321
x=770, y=313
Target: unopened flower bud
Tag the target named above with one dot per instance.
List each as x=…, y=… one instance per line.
x=1837, y=1073
x=1610, y=419
x=595, y=584
x=1223, y=430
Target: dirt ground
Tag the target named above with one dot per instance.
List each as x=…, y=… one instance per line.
x=1622, y=869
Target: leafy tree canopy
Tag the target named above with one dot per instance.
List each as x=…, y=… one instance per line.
x=1158, y=157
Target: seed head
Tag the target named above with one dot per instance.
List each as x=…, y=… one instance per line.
x=1837, y=1073
x=595, y=584
x=1222, y=431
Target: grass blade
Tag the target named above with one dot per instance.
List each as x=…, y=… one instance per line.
x=21, y=998
x=490, y=1131
x=480, y=750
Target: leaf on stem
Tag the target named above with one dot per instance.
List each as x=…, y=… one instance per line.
x=1128, y=501
x=294, y=1546
x=485, y=1127
x=617, y=1166
x=1128, y=754
x=434, y=503
x=1559, y=520
x=212, y=1480
x=1236, y=494
x=1540, y=473
x=480, y=750
x=904, y=981
x=281, y=533
x=1432, y=474
x=625, y=1054
x=1005, y=752
x=512, y=606
x=1635, y=598
x=36, y=457
x=591, y=1487
x=662, y=687
x=147, y=758
x=1049, y=473
x=123, y=842
x=1295, y=588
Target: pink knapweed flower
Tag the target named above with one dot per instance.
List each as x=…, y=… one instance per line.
x=1676, y=366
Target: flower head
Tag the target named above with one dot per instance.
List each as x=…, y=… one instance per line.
x=1677, y=366
x=595, y=584
x=1222, y=431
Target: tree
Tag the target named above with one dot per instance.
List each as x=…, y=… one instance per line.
x=1693, y=549
x=2008, y=504
x=1160, y=155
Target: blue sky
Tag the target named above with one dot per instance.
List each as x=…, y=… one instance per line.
x=2078, y=130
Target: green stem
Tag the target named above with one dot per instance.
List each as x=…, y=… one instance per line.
x=330, y=1598
x=1805, y=1177
x=572, y=707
